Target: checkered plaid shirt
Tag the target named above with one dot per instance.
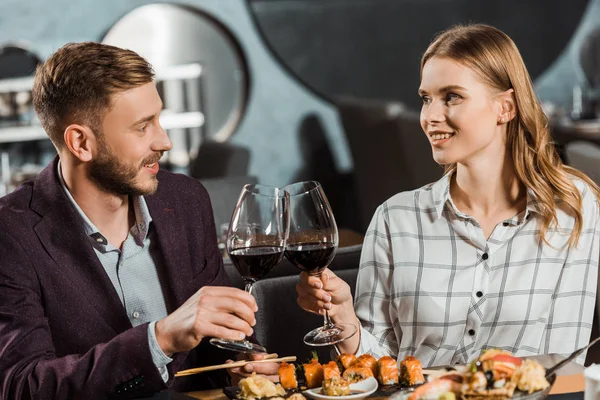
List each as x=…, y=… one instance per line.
x=432, y=286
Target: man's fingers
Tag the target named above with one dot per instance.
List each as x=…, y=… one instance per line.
x=266, y=368
x=229, y=292
x=229, y=306
x=224, y=332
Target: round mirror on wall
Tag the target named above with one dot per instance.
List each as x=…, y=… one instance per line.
x=200, y=68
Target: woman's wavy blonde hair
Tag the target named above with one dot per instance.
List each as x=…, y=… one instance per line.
x=493, y=55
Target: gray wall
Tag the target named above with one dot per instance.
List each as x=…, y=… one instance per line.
x=278, y=105
x=556, y=83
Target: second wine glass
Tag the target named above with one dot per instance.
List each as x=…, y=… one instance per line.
x=256, y=242
x=311, y=246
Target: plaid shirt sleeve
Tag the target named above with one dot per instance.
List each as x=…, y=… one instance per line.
x=576, y=291
x=372, y=304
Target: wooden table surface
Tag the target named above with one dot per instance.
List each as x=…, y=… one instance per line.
x=569, y=379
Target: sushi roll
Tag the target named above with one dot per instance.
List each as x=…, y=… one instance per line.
x=387, y=369
x=368, y=361
x=331, y=370
x=313, y=374
x=287, y=376
x=345, y=360
x=411, y=372
x=336, y=386
x=357, y=374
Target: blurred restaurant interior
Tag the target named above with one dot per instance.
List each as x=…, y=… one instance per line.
x=279, y=91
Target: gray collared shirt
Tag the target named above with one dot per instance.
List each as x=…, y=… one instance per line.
x=132, y=271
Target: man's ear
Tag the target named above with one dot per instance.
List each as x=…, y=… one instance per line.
x=507, y=106
x=81, y=141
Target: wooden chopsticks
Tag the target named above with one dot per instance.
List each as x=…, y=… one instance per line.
x=268, y=358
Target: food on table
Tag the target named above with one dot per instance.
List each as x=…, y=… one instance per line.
x=256, y=387
x=387, y=371
x=336, y=386
x=313, y=373
x=447, y=396
x=495, y=375
x=530, y=377
x=435, y=389
x=411, y=372
x=287, y=376
x=331, y=370
x=296, y=396
x=368, y=361
x=345, y=360
x=357, y=374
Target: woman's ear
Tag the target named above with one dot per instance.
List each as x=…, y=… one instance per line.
x=508, y=108
x=81, y=141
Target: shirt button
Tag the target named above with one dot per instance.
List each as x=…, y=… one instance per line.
x=471, y=332
x=479, y=293
x=484, y=256
x=135, y=314
x=505, y=223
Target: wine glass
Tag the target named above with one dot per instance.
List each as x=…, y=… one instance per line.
x=256, y=242
x=311, y=246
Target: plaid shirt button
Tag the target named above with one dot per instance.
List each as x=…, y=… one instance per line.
x=484, y=256
x=472, y=332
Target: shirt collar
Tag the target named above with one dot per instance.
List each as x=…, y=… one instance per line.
x=441, y=195
x=142, y=216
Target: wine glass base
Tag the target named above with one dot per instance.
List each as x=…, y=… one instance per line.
x=327, y=336
x=242, y=346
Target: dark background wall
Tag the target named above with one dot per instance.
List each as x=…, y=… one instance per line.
x=371, y=48
x=301, y=54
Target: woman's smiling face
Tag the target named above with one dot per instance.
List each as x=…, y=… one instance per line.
x=460, y=114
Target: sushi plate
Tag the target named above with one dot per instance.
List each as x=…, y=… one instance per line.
x=359, y=390
x=518, y=395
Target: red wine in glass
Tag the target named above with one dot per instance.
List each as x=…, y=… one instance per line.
x=310, y=257
x=255, y=242
x=311, y=246
x=253, y=263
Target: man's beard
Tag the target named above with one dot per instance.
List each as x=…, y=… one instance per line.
x=119, y=178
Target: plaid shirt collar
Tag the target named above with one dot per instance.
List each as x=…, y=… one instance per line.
x=441, y=198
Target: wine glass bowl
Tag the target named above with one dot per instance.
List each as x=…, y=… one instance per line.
x=311, y=246
x=255, y=242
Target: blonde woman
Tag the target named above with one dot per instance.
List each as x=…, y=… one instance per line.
x=502, y=251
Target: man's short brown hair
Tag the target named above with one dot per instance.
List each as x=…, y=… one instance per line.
x=76, y=84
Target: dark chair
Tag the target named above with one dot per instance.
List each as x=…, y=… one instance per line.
x=220, y=159
x=281, y=324
x=345, y=258
x=390, y=152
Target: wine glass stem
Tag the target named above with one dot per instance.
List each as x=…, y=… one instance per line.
x=248, y=287
x=327, y=324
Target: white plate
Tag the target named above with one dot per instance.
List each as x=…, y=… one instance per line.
x=367, y=387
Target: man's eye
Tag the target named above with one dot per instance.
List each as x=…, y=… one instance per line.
x=426, y=99
x=143, y=128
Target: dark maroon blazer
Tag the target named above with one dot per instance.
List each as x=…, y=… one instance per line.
x=63, y=330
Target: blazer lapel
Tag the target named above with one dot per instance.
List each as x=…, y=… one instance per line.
x=66, y=243
x=173, y=243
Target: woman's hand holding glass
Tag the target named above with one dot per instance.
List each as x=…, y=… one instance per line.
x=329, y=292
x=311, y=246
